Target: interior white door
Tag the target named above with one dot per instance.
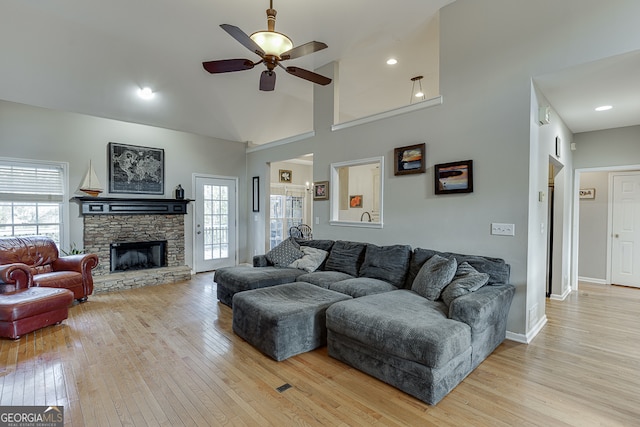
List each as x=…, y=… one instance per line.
x=625, y=226
x=215, y=223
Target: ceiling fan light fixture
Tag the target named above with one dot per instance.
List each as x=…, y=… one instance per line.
x=146, y=93
x=272, y=42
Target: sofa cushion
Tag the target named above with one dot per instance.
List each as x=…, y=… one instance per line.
x=345, y=257
x=466, y=280
x=434, y=275
x=325, y=245
x=388, y=263
x=403, y=324
x=311, y=260
x=497, y=269
x=323, y=278
x=285, y=253
x=362, y=286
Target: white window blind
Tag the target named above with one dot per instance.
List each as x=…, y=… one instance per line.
x=21, y=180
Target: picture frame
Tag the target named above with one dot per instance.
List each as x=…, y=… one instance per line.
x=134, y=169
x=587, y=193
x=355, y=201
x=558, y=146
x=285, y=175
x=454, y=177
x=256, y=194
x=321, y=190
x=409, y=159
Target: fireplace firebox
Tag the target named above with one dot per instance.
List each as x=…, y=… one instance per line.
x=127, y=256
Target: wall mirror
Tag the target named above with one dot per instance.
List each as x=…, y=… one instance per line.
x=356, y=193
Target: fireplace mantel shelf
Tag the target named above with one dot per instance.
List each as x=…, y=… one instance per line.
x=131, y=206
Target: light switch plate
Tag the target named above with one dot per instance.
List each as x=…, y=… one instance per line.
x=501, y=229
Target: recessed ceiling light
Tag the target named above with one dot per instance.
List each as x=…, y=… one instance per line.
x=604, y=108
x=392, y=61
x=145, y=93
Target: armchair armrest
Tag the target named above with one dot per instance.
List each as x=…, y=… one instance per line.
x=82, y=263
x=79, y=263
x=17, y=275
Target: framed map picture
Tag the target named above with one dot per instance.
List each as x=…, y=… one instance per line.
x=135, y=170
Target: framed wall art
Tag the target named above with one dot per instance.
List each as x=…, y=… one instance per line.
x=455, y=177
x=355, y=201
x=135, y=170
x=285, y=175
x=587, y=193
x=409, y=159
x=321, y=190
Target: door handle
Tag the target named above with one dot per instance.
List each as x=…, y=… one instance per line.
x=616, y=235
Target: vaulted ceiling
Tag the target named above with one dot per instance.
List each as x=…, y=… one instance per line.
x=92, y=56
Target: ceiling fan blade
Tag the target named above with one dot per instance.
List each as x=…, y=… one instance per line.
x=243, y=38
x=303, y=50
x=267, y=80
x=308, y=75
x=227, y=65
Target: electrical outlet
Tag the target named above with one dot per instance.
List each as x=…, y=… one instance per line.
x=500, y=229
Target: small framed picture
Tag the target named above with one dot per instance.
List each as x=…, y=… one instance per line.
x=285, y=175
x=587, y=193
x=355, y=201
x=409, y=159
x=321, y=190
x=455, y=177
x=558, y=146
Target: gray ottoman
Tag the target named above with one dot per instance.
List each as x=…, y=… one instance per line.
x=284, y=320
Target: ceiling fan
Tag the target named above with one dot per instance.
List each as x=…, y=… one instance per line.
x=272, y=48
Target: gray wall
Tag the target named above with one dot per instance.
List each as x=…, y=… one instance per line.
x=594, y=214
x=37, y=133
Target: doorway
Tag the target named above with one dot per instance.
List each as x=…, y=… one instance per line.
x=215, y=222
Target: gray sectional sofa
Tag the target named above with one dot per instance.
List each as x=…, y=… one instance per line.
x=423, y=344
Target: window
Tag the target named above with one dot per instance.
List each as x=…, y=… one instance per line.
x=31, y=198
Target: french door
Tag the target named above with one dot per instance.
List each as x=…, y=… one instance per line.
x=215, y=223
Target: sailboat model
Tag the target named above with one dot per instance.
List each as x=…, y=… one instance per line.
x=90, y=183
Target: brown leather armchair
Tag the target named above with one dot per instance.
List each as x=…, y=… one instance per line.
x=47, y=267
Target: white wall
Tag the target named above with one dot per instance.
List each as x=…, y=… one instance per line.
x=489, y=52
x=37, y=133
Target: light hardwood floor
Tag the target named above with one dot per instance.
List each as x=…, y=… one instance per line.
x=166, y=355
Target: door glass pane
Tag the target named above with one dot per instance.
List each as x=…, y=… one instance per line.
x=216, y=222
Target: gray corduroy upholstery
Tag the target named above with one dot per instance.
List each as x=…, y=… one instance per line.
x=362, y=286
x=231, y=280
x=284, y=320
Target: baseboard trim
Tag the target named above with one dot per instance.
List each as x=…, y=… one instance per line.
x=592, y=280
x=529, y=336
x=561, y=297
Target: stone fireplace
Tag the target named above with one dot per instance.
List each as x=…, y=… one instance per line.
x=127, y=222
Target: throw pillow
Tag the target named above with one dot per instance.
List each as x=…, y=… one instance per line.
x=285, y=253
x=311, y=259
x=433, y=276
x=388, y=263
x=466, y=280
x=345, y=257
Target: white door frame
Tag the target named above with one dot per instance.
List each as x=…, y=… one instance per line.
x=194, y=222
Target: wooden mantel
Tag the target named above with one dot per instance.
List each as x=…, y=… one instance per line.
x=131, y=206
